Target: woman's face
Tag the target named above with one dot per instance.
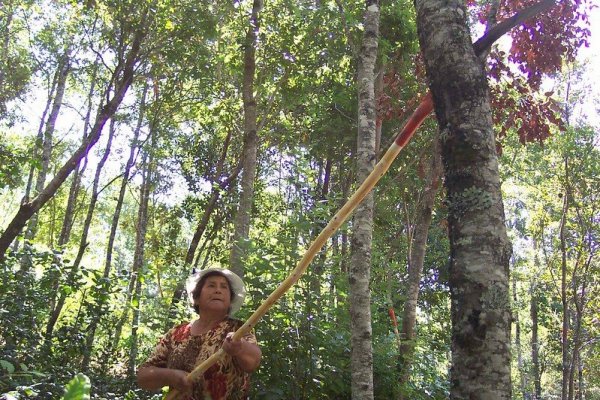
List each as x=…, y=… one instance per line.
x=215, y=295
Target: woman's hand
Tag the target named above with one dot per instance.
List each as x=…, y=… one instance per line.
x=178, y=381
x=233, y=347
x=154, y=378
x=246, y=354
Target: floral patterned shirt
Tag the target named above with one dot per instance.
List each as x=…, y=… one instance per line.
x=179, y=349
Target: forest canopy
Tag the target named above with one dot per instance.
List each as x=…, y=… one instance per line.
x=143, y=140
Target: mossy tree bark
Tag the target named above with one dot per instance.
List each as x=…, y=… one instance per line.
x=480, y=249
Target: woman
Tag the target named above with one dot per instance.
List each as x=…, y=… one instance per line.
x=215, y=294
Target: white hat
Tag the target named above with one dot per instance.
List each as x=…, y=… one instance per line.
x=235, y=283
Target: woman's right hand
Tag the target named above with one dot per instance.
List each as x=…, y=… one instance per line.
x=154, y=378
x=178, y=381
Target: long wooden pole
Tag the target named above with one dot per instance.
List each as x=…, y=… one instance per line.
x=416, y=119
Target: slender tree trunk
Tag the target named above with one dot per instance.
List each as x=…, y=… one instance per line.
x=133, y=271
x=415, y=264
x=35, y=156
x=98, y=310
x=217, y=187
x=138, y=258
x=45, y=145
x=535, y=347
x=579, y=300
x=70, y=210
x=580, y=384
x=242, y=217
x=83, y=244
x=516, y=319
x=123, y=78
x=360, y=264
x=480, y=250
x=563, y=289
x=5, y=33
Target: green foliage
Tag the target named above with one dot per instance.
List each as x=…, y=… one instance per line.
x=13, y=161
x=78, y=388
x=305, y=88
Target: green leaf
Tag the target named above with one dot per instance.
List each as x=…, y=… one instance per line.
x=78, y=388
x=7, y=366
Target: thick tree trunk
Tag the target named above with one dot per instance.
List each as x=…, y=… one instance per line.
x=242, y=217
x=360, y=264
x=480, y=249
x=416, y=260
x=123, y=78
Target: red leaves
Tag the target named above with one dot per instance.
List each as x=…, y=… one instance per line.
x=516, y=106
x=390, y=103
x=542, y=44
x=538, y=48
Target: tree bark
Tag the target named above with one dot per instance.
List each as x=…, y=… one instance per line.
x=563, y=289
x=250, y=150
x=138, y=258
x=70, y=211
x=535, y=347
x=123, y=78
x=360, y=264
x=480, y=249
x=140, y=235
x=45, y=146
x=416, y=260
x=518, y=347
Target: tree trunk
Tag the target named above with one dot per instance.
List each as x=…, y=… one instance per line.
x=70, y=211
x=480, y=249
x=123, y=78
x=45, y=145
x=563, y=289
x=97, y=310
x=416, y=260
x=83, y=244
x=35, y=155
x=134, y=270
x=250, y=150
x=535, y=347
x=360, y=264
x=138, y=258
x=5, y=33
x=520, y=370
x=217, y=187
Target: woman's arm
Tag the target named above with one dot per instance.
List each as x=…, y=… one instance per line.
x=246, y=354
x=154, y=378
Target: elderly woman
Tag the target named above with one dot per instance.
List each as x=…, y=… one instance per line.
x=215, y=295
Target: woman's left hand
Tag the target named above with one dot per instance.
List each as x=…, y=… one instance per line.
x=247, y=354
x=233, y=347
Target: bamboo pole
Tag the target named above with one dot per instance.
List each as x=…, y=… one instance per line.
x=415, y=120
